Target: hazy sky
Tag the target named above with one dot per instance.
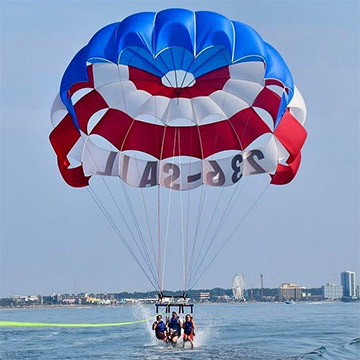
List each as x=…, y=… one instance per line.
x=53, y=238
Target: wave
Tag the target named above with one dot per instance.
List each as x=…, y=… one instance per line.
x=344, y=352
x=355, y=341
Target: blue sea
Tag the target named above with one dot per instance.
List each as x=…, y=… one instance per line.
x=230, y=331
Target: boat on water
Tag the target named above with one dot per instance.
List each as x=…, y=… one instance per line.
x=290, y=302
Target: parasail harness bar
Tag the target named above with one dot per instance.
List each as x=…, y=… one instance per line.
x=169, y=302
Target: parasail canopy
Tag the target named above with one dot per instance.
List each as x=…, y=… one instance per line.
x=177, y=99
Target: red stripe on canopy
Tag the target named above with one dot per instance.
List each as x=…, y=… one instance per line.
x=74, y=177
x=203, y=85
x=291, y=134
x=269, y=101
x=167, y=141
x=63, y=138
x=285, y=174
x=87, y=106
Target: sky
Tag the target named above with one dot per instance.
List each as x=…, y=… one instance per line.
x=53, y=238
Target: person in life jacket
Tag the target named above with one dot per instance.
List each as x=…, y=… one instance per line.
x=189, y=327
x=174, y=327
x=160, y=328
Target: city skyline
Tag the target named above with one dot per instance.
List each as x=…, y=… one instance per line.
x=352, y=283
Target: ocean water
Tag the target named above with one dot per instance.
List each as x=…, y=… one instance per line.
x=231, y=331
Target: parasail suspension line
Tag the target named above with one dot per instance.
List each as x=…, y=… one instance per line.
x=182, y=225
x=92, y=192
x=150, y=266
x=226, y=211
x=229, y=206
x=143, y=252
x=215, y=208
x=117, y=231
x=168, y=210
x=231, y=235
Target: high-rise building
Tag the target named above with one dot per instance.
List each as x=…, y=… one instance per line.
x=332, y=292
x=348, y=283
x=290, y=291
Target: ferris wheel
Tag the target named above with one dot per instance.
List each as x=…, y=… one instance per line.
x=239, y=287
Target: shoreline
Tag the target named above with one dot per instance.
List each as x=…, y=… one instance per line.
x=64, y=306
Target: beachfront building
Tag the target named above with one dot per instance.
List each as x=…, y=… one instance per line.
x=348, y=283
x=290, y=291
x=203, y=296
x=21, y=300
x=332, y=292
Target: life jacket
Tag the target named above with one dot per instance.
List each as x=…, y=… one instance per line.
x=187, y=326
x=174, y=324
x=160, y=327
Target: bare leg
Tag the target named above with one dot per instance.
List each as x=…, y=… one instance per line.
x=174, y=340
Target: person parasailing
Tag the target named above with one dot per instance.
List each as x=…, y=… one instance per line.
x=160, y=328
x=189, y=327
x=174, y=325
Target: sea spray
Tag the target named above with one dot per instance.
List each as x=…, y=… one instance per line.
x=206, y=330
x=141, y=311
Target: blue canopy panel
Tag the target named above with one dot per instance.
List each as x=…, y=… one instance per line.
x=177, y=39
